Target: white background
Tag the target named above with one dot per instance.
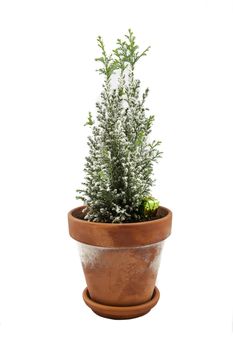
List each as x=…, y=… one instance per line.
x=48, y=84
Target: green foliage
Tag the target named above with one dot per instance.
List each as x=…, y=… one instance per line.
x=119, y=168
x=127, y=51
x=90, y=120
x=109, y=65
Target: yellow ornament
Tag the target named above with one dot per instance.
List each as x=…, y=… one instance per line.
x=149, y=206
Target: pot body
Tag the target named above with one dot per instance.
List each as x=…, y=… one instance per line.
x=120, y=261
x=120, y=276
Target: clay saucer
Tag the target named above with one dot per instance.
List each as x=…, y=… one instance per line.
x=121, y=312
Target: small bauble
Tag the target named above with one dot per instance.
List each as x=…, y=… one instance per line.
x=149, y=206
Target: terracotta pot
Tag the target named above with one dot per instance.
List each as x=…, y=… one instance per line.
x=120, y=262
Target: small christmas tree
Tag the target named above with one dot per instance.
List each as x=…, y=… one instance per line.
x=119, y=168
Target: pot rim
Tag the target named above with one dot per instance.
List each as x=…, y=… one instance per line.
x=109, y=224
x=119, y=234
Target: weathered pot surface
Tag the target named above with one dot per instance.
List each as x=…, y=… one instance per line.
x=120, y=262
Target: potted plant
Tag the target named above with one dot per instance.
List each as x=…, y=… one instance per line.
x=121, y=227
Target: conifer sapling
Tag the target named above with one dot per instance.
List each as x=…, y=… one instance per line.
x=119, y=167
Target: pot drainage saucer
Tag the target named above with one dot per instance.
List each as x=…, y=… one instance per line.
x=121, y=312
